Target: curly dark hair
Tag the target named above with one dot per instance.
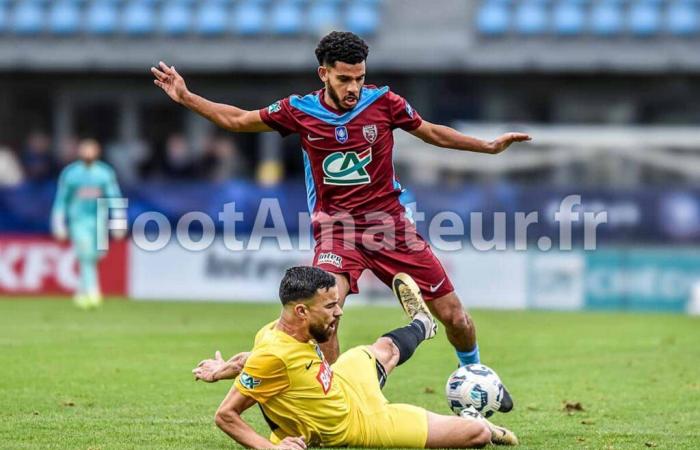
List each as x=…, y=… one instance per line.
x=301, y=283
x=341, y=46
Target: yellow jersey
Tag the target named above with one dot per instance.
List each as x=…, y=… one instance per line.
x=296, y=388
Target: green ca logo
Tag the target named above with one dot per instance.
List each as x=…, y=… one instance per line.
x=347, y=168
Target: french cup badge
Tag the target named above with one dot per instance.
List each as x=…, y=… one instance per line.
x=341, y=134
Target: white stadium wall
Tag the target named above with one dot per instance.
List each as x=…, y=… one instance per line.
x=483, y=280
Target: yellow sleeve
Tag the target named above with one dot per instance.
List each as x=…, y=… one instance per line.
x=264, y=376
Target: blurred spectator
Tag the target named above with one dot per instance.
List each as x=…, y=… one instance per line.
x=222, y=160
x=67, y=150
x=10, y=169
x=39, y=164
x=178, y=159
x=128, y=159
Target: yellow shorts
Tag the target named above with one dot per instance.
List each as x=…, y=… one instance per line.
x=376, y=422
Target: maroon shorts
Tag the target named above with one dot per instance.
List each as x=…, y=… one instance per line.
x=336, y=256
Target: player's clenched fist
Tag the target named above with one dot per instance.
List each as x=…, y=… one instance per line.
x=170, y=81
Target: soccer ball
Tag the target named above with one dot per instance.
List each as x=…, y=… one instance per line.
x=474, y=385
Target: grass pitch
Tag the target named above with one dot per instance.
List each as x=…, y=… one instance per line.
x=119, y=377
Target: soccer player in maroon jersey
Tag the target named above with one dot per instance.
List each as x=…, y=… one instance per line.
x=346, y=135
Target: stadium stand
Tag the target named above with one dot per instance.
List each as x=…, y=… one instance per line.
x=531, y=17
x=323, y=17
x=175, y=19
x=493, y=18
x=211, y=18
x=569, y=18
x=28, y=18
x=207, y=18
x=287, y=17
x=139, y=17
x=102, y=17
x=64, y=17
x=602, y=18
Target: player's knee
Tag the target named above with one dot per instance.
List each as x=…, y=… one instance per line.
x=457, y=320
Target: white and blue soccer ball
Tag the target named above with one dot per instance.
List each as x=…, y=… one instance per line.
x=474, y=385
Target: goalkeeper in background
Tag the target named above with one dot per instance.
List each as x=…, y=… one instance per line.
x=75, y=215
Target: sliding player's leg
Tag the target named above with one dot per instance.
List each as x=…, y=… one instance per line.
x=397, y=346
x=434, y=284
x=456, y=432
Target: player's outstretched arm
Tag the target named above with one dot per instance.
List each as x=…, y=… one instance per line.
x=226, y=116
x=58, y=212
x=228, y=419
x=213, y=370
x=446, y=137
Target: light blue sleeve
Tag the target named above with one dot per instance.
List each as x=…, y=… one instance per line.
x=58, y=212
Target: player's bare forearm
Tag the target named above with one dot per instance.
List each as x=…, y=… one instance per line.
x=237, y=429
x=229, y=420
x=225, y=116
x=447, y=137
x=216, y=369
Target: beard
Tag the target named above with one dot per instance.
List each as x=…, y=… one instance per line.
x=320, y=333
x=336, y=98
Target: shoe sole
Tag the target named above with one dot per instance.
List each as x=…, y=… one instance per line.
x=403, y=279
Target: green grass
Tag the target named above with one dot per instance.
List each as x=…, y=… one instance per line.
x=120, y=377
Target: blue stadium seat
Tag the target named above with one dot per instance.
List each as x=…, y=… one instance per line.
x=286, y=17
x=493, y=18
x=249, y=17
x=645, y=18
x=569, y=18
x=102, y=17
x=139, y=17
x=64, y=17
x=682, y=18
x=4, y=15
x=28, y=17
x=362, y=18
x=323, y=16
x=212, y=18
x=176, y=18
x=607, y=18
x=531, y=17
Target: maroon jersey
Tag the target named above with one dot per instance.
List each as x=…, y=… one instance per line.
x=348, y=156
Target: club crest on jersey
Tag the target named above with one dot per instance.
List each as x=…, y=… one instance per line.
x=370, y=133
x=273, y=108
x=341, y=134
x=347, y=168
x=325, y=376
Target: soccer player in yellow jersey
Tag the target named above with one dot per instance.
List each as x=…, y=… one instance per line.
x=308, y=402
